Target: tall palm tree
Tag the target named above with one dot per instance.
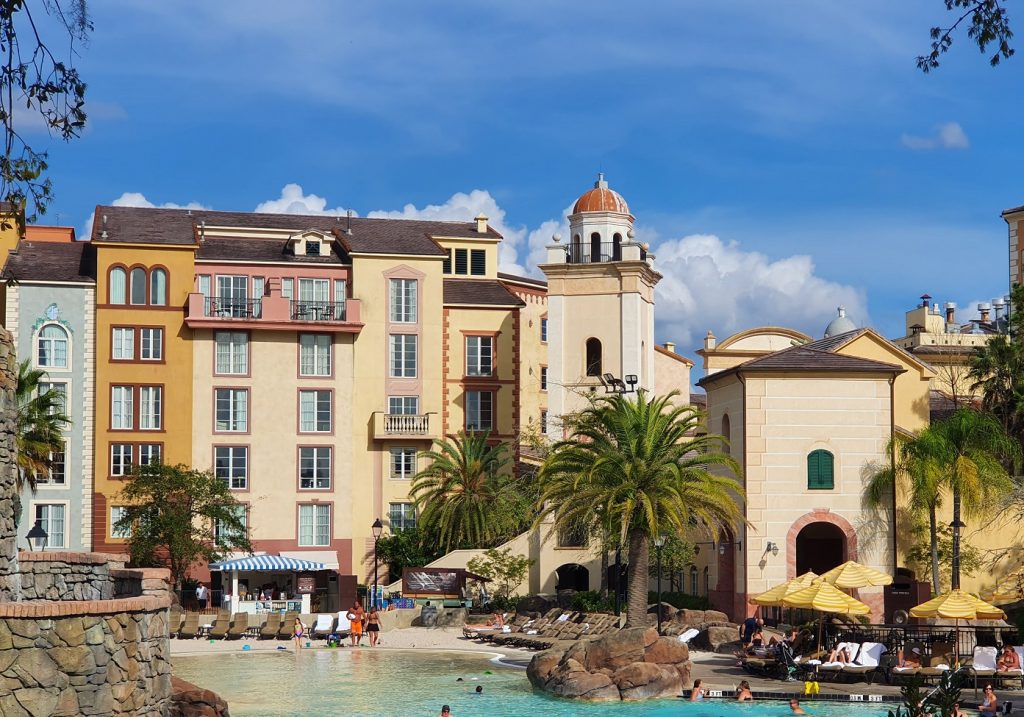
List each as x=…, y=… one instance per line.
x=997, y=374
x=642, y=467
x=40, y=422
x=461, y=493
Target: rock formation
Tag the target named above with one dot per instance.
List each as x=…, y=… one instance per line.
x=10, y=581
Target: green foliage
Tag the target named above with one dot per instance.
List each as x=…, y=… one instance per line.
x=411, y=548
x=946, y=695
x=989, y=25
x=171, y=512
x=681, y=601
x=638, y=467
x=39, y=421
x=913, y=698
x=918, y=558
x=676, y=556
x=506, y=568
x=592, y=601
x=997, y=372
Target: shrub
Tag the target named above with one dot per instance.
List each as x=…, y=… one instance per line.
x=681, y=601
x=591, y=601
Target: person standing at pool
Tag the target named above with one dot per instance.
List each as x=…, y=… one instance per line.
x=202, y=595
x=743, y=693
x=373, y=625
x=795, y=708
x=355, y=616
x=446, y=711
x=297, y=632
x=698, y=692
x=748, y=628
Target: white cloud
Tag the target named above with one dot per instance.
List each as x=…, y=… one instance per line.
x=138, y=199
x=294, y=201
x=946, y=136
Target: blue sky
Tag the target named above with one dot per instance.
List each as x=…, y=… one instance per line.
x=782, y=157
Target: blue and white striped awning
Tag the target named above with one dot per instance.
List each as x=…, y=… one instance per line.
x=266, y=563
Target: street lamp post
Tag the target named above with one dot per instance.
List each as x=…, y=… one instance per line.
x=377, y=528
x=618, y=580
x=37, y=537
x=659, y=543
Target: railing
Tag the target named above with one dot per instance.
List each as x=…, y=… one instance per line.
x=596, y=252
x=232, y=308
x=406, y=424
x=317, y=311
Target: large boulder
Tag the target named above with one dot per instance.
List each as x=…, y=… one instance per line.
x=715, y=616
x=667, y=611
x=569, y=679
x=644, y=680
x=667, y=651
x=715, y=637
x=537, y=604
x=542, y=666
x=689, y=617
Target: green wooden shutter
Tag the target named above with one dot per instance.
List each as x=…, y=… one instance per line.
x=812, y=470
x=820, y=470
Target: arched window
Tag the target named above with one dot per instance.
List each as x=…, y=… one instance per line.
x=595, y=247
x=617, y=247
x=158, y=287
x=117, y=285
x=53, y=347
x=820, y=464
x=707, y=581
x=137, y=289
x=693, y=580
x=726, y=431
x=593, y=357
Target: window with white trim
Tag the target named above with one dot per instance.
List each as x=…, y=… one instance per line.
x=544, y=422
x=117, y=283
x=314, y=411
x=123, y=344
x=543, y=378
x=403, y=463
x=314, y=525
x=222, y=533
x=121, y=405
x=479, y=410
x=151, y=408
x=315, y=468
x=231, y=465
x=479, y=355
x=52, y=516
x=232, y=410
x=151, y=344
x=403, y=355
x=232, y=353
x=402, y=516
x=544, y=330
x=120, y=459
x=57, y=475
x=53, y=347
x=404, y=405
x=117, y=512
x=158, y=287
x=59, y=397
x=149, y=454
x=403, y=300
x=314, y=355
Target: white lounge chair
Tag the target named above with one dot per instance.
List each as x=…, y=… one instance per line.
x=689, y=635
x=866, y=663
x=324, y=626
x=851, y=647
x=344, y=626
x=984, y=663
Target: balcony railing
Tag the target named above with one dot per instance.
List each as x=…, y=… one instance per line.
x=596, y=252
x=406, y=424
x=317, y=310
x=232, y=308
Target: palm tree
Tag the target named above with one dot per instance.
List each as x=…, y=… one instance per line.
x=461, y=493
x=641, y=467
x=40, y=422
x=997, y=372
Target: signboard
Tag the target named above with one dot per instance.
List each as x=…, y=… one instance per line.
x=425, y=581
x=305, y=584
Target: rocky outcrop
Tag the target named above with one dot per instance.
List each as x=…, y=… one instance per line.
x=187, y=700
x=631, y=664
x=536, y=604
x=10, y=580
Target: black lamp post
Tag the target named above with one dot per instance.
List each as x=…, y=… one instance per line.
x=659, y=543
x=37, y=537
x=377, y=528
x=618, y=580
x=956, y=525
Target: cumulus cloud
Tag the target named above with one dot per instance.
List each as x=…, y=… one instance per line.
x=946, y=136
x=294, y=201
x=711, y=284
x=138, y=199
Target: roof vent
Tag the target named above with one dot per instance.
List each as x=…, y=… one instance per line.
x=481, y=223
x=925, y=298
x=348, y=222
x=670, y=346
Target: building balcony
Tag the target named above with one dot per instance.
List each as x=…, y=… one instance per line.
x=599, y=252
x=405, y=426
x=273, y=312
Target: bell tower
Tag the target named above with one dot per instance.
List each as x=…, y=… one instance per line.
x=600, y=305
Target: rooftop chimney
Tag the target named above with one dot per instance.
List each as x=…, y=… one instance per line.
x=950, y=312
x=983, y=310
x=998, y=305
x=709, y=341
x=935, y=308
x=670, y=346
x=925, y=298
x=481, y=223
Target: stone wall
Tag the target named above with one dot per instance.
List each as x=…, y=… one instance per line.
x=10, y=581
x=68, y=576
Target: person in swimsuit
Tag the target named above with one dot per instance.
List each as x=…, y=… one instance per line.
x=990, y=703
x=297, y=632
x=1009, y=660
x=698, y=692
x=743, y=693
x=355, y=616
x=795, y=708
x=373, y=626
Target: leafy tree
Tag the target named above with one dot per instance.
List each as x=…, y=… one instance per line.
x=37, y=84
x=988, y=24
x=919, y=556
x=502, y=565
x=177, y=516
x=40, y=421
x=643, y=463
x=412, y=547
x=997, y=371
x=676, y=557
x=463, y=495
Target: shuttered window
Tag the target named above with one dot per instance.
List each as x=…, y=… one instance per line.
x=446, y=268
x=461, y=261
x=820, y=471
x=477, y=262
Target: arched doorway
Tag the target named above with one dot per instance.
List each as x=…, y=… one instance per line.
x=573, y=576
x=820, y=546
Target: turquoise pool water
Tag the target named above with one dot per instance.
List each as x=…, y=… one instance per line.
x=392, y=683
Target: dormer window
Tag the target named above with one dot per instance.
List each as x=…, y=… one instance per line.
x=312, y=248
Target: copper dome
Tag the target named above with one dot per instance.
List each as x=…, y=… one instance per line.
x=601, y=199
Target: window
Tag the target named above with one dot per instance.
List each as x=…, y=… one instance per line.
x=314, y=525
x=53, y=347
x=231, y=465
x=403, y=301
x=116, y=286
x=58, y=391
x=158, y=287
x=232, y=352
x=479, y=413
x=402, y=516
x=573, y=537
x=726, y=430
x=137, y=290
x=315, y=468
x=446, y=267
x=57, y=475
x=314, y=355
x=117, y=512
x=544, y=330
x=543, y=378
x=222, y=534
x=819, y=470
x=477, y=262
x=403, y=463
x=150, y=408
x=203, y=282
x=707, y=581
x=121, y=404
x=461, y=261
x=232, y=410
x=404, y=405
x=694, y=585
x=232, y=296
x=403, y=356
x=315, y=411
x=120, y=459
x=479, y=355
x=314, y=290
x=52, y=517
x=149, y=454
x=593, y=357
x=312, y=248
x=544, y=422
x=151, y=344
x=123, y=345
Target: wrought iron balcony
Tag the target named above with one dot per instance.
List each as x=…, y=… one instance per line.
x=318, y=310
x=233, y=308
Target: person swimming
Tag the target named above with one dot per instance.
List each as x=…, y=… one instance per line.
x=698, y=692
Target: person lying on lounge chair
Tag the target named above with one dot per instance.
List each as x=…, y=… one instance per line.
x=1008, y=660
x=495, y=621
x=911, y=659
x=840, y=655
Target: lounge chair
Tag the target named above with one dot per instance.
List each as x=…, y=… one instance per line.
x=256, y=623
x=867, y=662
x=324, y=626
x=221, y=626
x=175, y=619
x=344, y=625
x=835, y=668
x=938, y=663
x=190, y=628
x=1004, y=676
x=287, y=626
x=271, y=627
x=239, y=626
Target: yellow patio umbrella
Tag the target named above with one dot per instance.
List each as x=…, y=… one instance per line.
x=852, y=574
x=773, y=596
x=1009, y=589
x=957, y=605
x=825, y=597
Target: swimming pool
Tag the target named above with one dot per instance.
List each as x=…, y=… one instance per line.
x=396, y=683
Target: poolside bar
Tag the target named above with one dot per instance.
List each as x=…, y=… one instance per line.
x=299, y=573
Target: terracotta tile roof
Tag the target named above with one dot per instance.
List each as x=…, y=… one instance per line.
x=221, y=249
x=52, y=261
x=802, y=358
x=478, y=292
x=376, y=236
x=699, y=399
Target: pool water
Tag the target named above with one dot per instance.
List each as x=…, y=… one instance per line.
x=395, y=683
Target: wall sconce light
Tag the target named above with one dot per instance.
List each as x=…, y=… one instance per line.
x=772, y=548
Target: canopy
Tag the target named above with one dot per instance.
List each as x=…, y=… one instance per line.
x=957, y=604
x=825, y=597
x=266, y=563
x=773, y=596
x=852, y=574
